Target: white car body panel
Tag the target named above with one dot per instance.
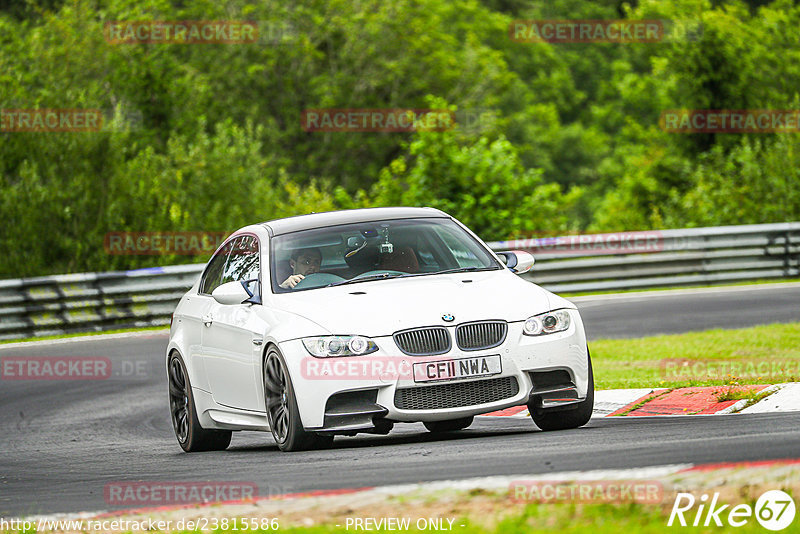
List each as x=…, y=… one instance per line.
x=386, y=306
x=231, y=359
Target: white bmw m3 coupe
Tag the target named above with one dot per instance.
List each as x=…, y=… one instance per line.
x=353, y=321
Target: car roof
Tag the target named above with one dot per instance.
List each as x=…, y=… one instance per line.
x=333, y=218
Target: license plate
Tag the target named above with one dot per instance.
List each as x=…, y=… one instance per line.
x=461, y=368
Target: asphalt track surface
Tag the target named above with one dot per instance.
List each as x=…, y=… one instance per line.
x=61, y=442
x=677, y=311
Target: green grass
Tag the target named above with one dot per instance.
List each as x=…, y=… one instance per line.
x=85, y=334
x=643, y=362
x=598, y=519
x=729, y=393
x=673, y=288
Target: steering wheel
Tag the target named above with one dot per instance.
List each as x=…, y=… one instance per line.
x=318, y=280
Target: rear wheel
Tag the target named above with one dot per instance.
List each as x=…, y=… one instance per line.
x=191, y=436
x=575, y=416
x=450, y=425
x=282, y=412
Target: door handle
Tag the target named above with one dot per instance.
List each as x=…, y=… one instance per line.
x=207, y=319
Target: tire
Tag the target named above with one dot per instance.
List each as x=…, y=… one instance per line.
x=191, y=436
x=575, y=416
x=282, y=413
x=449, y=426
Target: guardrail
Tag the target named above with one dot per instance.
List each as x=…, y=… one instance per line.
x=31, y=307
x=665, y=258
x=48, y=305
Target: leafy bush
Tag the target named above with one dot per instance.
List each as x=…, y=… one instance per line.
x=208, y=137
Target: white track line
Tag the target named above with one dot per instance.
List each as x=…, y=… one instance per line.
x=87, y=337
x=786, y=399
x=487, y=483
x=608, y=401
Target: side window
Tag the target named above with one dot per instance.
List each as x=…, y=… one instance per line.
x=242, y=261
x=213, y=272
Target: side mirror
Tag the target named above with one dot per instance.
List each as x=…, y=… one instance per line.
x=518, y=261
x=236, y=293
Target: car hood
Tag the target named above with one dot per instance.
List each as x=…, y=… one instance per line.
x=382, y=307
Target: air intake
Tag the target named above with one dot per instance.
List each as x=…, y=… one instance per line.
x=481, y=335
x=423, y=341
x=456, y=394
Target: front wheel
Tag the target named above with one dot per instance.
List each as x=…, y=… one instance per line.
x=282, y=412
x=449, y=426
x=191, y=436
x=575, y=416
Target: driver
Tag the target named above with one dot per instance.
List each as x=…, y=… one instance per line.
x=304, y=261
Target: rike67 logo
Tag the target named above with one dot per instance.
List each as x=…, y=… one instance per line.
x=774, y=510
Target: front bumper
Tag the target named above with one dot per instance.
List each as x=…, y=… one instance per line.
x=358, y=393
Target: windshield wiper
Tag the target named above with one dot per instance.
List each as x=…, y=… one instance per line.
x=381, y=276
x=386, y=276
x=465, y=270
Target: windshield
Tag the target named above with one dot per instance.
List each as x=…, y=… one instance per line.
x=374, y=250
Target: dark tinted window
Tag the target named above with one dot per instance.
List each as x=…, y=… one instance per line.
x=213, y=272
x=403, y=247
x=242, y=261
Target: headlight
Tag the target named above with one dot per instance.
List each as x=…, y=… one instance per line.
x=546, y=323
x=332, y=346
